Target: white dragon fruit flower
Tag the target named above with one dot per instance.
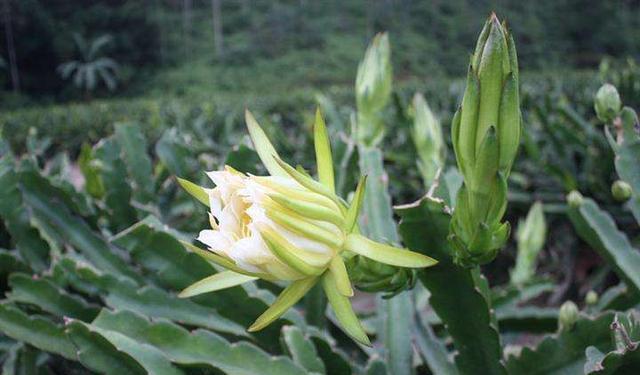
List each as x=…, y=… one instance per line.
x=287, y=227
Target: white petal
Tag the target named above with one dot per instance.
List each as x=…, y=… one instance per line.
x=217, y=241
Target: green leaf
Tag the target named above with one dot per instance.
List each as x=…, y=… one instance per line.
x=564, y=353
x=10, y=262
x=17, y=219
x=50, y=298
x=433, y=350
x=134, y=150
x=38, y=332
x=164, y=260
x=218, y=281
x=242, y=158
x=198, y=347
x=386, y=254
x=72, y=229
x=343, y=310
x=113, y=172
x=289, y=297
x=98, y=354
x=454, y=294
x=122, y=294
x=198, y=192
x=625, y=359
x=397, y=325
x=324, y=158
x=335, y=360
x=377, y=214
x=301, y=349
x=263, y=146
x=597, y=228
x=378, y=224
x=174, y=154
x=626, y=163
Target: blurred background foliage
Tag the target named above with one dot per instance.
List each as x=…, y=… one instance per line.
x=176, y=47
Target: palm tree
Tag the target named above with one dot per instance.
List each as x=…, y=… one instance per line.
x=91, y=67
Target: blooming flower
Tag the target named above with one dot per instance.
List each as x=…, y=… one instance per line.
x=287, y=227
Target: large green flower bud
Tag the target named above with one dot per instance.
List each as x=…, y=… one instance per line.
x=373, y=89
x=427, y=136
x=486, y=135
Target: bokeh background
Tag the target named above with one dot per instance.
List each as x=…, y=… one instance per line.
x=203, y=48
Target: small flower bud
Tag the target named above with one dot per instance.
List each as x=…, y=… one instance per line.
x=373, y=89
x=591, y=298
x=575, y=199
x=621, y=191
x=607, y=103
x=531, y=237
x=427, y=137
x=568, y=316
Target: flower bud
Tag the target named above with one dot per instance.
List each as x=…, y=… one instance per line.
x=607, y=103
x=621, y=191
x=374, y=277
x=574, y=198
x=591, y=298
x=373, y=89
x=428, y=139
x=288, y=226
x=486, y=135
x=531, y=237
x=568, y=316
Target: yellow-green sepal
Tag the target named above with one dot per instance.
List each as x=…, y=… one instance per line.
x=322, y=146
x=301, y=226
x=339, y=271
x=287, y=254
x=263, y=146
x=289, y=296
x=356, y=204
x=309, y=209
x=218, y=281
x=196, y=191
x=305, y=180
x=385, y=253
x=343, y=310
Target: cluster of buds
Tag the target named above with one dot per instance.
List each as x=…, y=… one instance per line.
x=486, y=134
x=288, y=227
x=373, y=90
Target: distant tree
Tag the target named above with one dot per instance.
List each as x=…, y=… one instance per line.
x=8, y=31
x=216, y=13
x=91, y=68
